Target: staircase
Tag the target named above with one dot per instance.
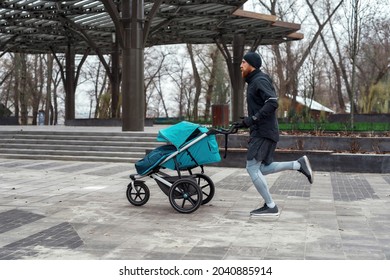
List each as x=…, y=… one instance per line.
x=126, y=147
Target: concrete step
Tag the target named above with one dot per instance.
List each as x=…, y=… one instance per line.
x=31, y=143
x=72, y=147
x=81, y=146
x=69, y=158
x=101, y=138
x=77, y=133
x=72, y=152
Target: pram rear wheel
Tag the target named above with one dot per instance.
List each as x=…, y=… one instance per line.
x=185, y=195
x=207, y=186
x=138, y=193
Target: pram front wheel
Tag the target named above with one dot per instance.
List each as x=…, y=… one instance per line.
x=138, y=193
x=185, y=195
x=207, y=186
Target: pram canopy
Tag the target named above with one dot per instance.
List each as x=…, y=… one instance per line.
x=178, y=136
x=180, y=133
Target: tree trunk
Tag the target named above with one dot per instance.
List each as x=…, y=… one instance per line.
x=211, y=81
x=48, y=107
x=17, y=85
x=197, y=81
x=23, y=90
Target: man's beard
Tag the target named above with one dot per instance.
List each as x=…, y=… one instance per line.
x=244, y=73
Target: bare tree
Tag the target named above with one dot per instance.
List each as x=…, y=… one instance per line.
x=182, y=80
x=373, y=64
x=312, y=79
x=214, y=77
x=35, y=84
x=289, y=60
x=354, y=28
x=160, y=100
x=337, y=73
x=22, y=89
x=212, y=80
x=351, y=66
x=49, y=105
x=6, y=81
x=16, y=86
x=56, y=80
x=96, y=72
x=197, y=82
x=155, y=71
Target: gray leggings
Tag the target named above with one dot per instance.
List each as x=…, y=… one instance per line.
x=257, y=170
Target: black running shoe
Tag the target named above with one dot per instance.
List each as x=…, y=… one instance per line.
x=265, y=211
x=306, y=168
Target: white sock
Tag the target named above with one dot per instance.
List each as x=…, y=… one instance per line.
x=296, y=165
x=271, y=205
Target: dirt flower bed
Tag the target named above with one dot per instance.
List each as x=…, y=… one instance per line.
x=334, y=142
x=337, y=134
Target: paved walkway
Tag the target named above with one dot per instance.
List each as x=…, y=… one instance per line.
x=79, y=210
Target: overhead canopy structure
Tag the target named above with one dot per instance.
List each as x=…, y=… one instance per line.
x=34, y=26
x=75, y=27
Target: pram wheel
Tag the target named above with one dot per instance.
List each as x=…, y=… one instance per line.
x=138, y=193
x=207, y=186
x=185, y=195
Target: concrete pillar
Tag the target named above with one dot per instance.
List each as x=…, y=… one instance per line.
x=133, y=100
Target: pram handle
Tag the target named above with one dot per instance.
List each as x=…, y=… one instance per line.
x=232, y=129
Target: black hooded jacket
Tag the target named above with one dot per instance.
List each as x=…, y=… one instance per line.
x=262, y=103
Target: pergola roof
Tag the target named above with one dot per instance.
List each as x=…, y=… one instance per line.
x=35, y=26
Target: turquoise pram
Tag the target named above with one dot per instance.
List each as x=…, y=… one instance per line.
x=188, y=146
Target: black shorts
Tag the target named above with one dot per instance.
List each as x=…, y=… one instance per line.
x=261, y=149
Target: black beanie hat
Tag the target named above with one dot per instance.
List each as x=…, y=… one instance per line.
x=253, y=59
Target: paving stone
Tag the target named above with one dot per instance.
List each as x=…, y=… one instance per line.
x=351, y=187
x=234, y=182
x=110, y=170
x=291, y=183
x=79, y=167
x=16, y=218
x=62, y=235
x=46, y=165
x=387, y=178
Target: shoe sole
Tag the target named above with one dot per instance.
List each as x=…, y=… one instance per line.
x=265, y=215
x=307, y=162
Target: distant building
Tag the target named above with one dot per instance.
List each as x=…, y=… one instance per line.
x=316, y=109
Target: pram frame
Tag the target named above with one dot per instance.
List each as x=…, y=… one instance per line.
x=185, y=187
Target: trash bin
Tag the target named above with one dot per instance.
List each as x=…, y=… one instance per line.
x=220, y=114
x=41, y=117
